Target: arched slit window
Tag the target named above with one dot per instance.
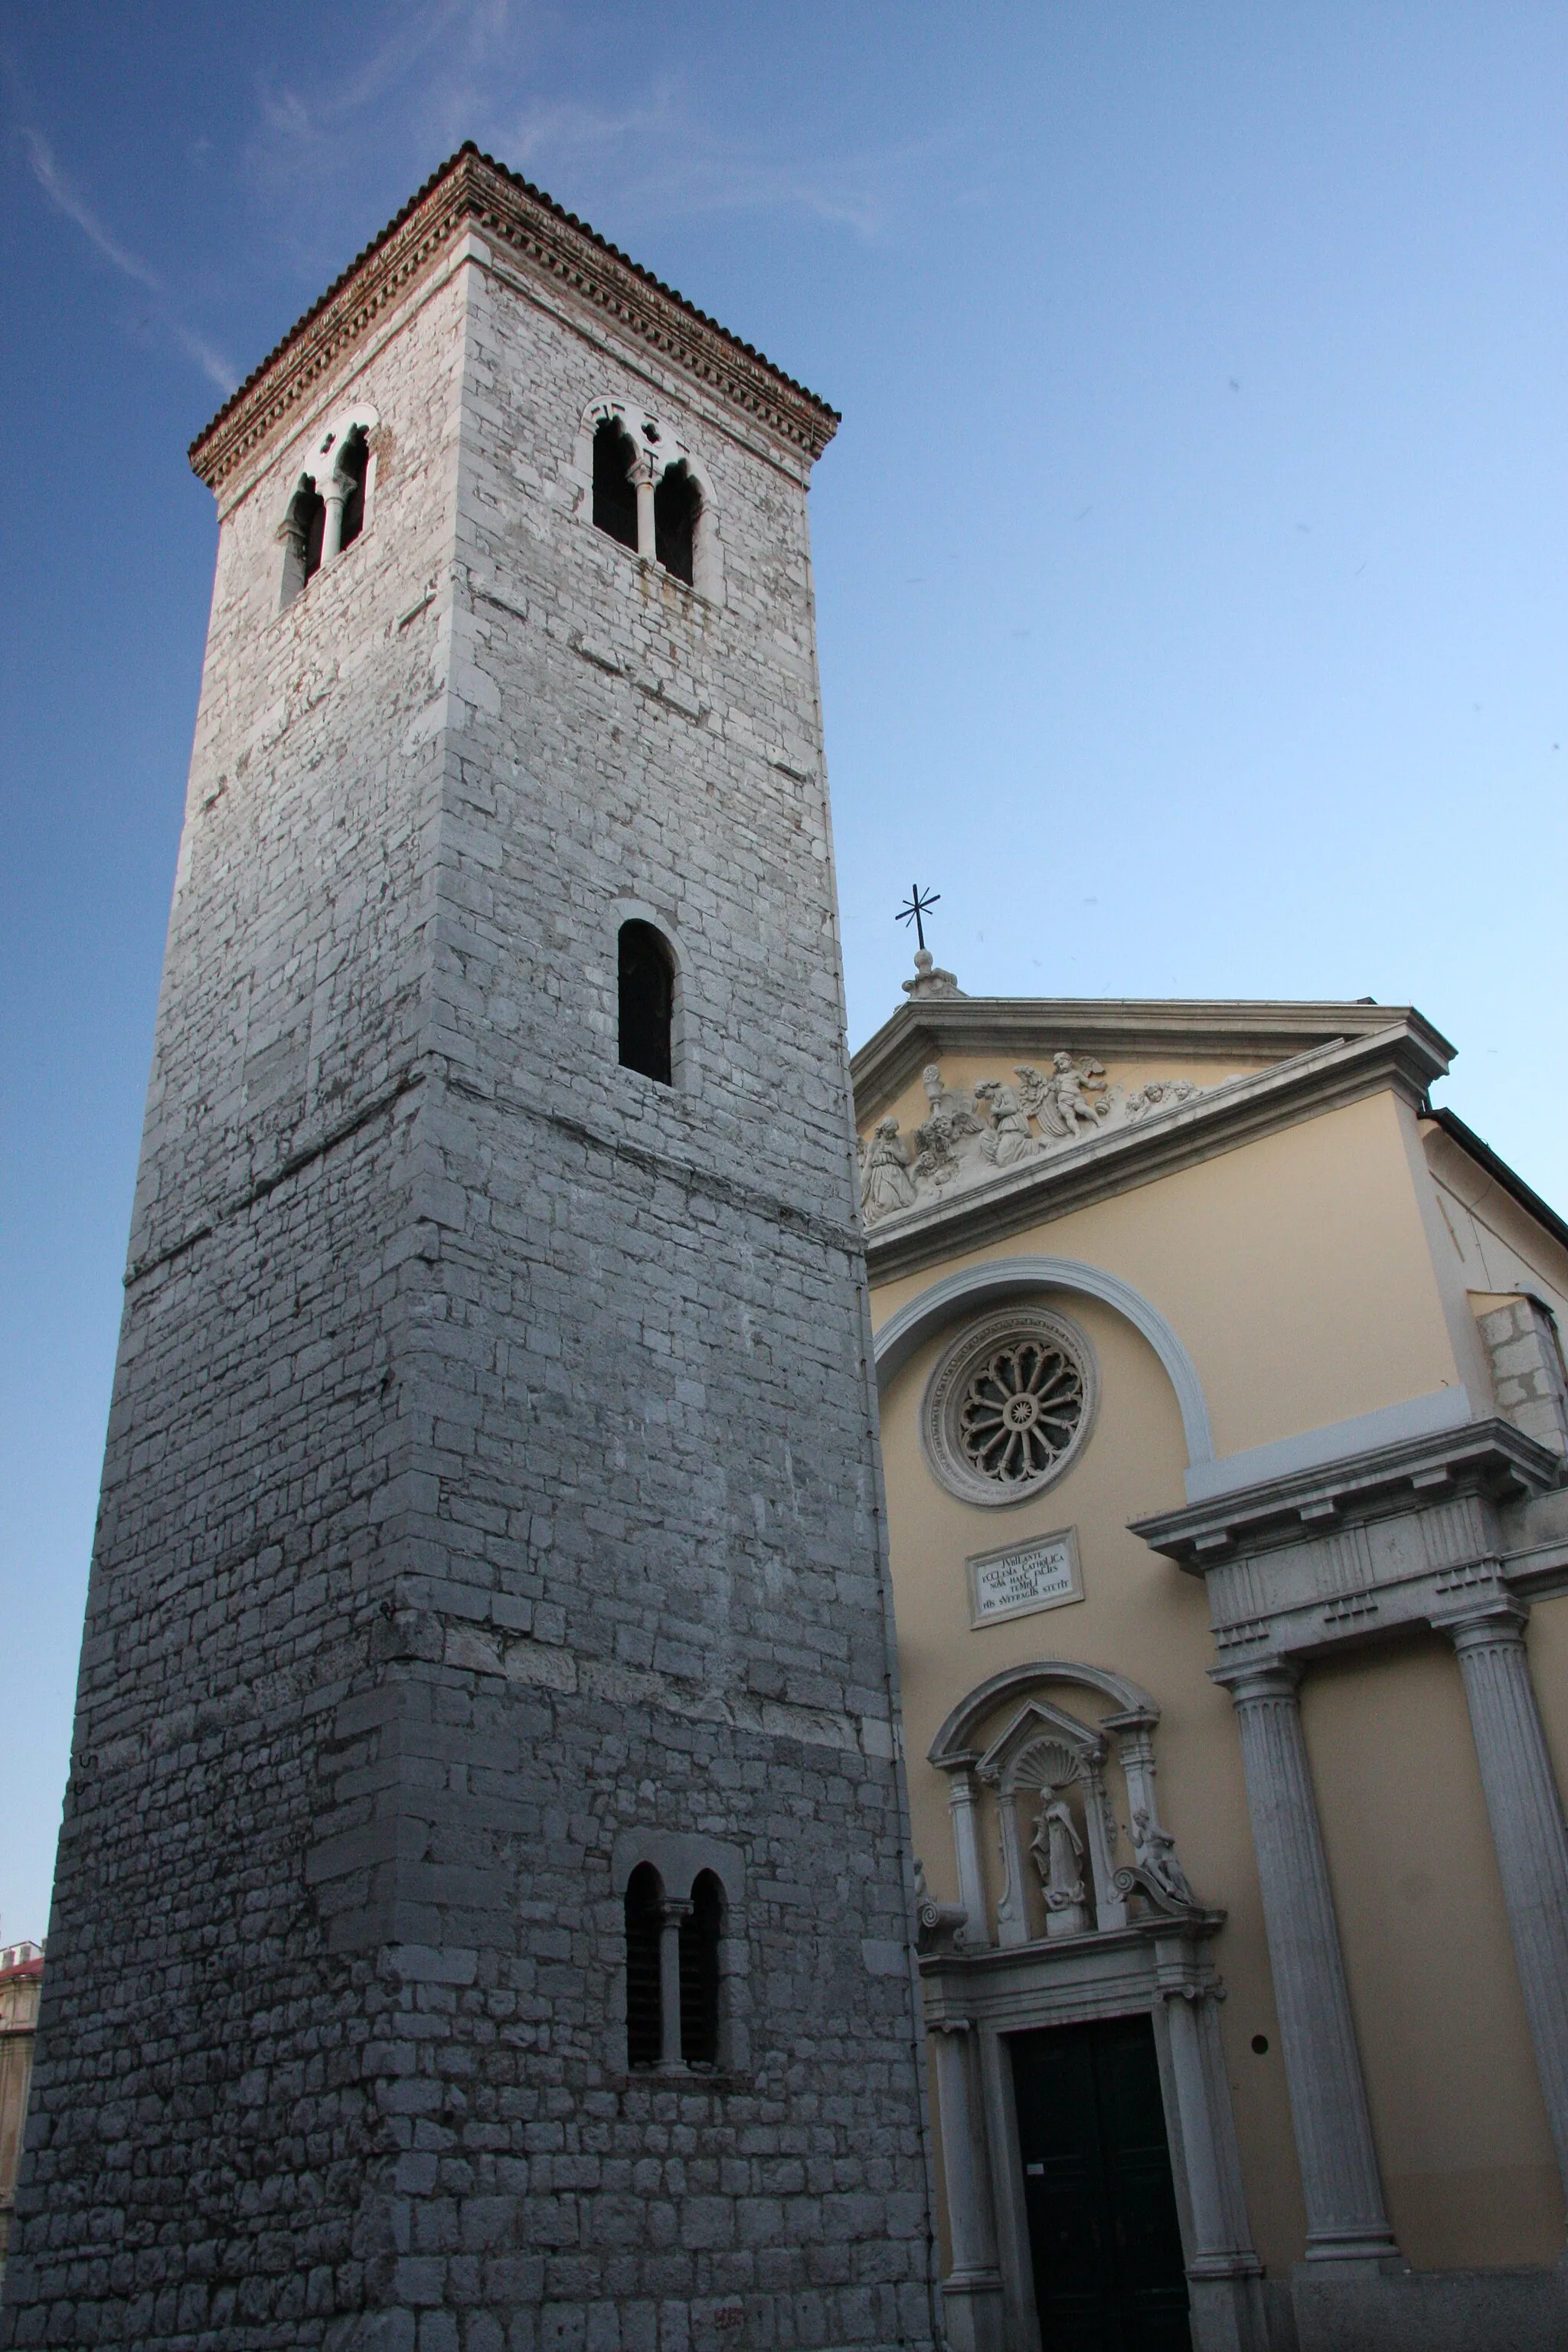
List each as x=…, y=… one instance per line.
x=646, y=991
x=353, y=459
x=676, y=503
x=645, y=2007
x=615, y=493
x=699, y=1932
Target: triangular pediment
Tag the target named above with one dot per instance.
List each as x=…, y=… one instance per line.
x=990, y=1111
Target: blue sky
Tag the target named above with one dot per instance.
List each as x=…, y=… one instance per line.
x=1190, y=561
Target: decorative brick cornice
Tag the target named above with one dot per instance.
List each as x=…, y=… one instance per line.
x=474, y=190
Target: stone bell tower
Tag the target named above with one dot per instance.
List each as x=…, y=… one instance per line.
x=481, y=1911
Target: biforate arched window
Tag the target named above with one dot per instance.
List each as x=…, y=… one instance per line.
x=677, y=505
x=645, y=1992
x=646, y=976
x=614, y=492
x=699, y=1932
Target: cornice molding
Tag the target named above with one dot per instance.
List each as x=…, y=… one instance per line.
x=1403, y=1058
x=1119, y=1028
x=472, y=191
x=1488, y=1457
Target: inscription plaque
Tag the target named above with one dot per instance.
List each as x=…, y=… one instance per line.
x=1040, y=1574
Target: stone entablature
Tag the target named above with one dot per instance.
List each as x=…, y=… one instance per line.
x=1403, y=1535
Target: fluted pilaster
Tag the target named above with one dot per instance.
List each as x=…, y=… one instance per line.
x=971, y=2291
x=1525, y=1808
x=1345, y=2216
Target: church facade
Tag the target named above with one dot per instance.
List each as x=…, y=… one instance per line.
x=1224, y=1430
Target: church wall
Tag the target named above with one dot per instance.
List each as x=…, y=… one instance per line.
x=1295, y=1271
x=1468, y=2163
x=1298, y=1271
x=1143, y=1619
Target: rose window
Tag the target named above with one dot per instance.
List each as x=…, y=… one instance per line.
x=1008, y=1406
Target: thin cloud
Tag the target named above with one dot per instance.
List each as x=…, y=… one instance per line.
x=462, y=68
x=655, y=156
x=65, y=199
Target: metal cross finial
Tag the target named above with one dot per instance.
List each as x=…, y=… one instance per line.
x=921, y=903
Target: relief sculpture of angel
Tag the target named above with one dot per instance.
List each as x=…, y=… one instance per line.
x=886, y=1183
x=1071, y=1096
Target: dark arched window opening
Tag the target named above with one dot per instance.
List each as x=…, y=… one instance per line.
x=700, y=1933
x=615, y=493
x=353, y=461
x=644, y=2012
x=302, y=535
x=646, y=975
x=676, y=503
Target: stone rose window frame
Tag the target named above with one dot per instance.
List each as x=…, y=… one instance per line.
x=1010, y=1406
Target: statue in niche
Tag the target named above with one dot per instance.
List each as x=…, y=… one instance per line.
x=1009, y=1138
x=1057, y=1852
x=886, y=1183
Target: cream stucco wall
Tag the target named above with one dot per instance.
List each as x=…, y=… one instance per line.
x=1299, y=1271
x=1469, y=2167
x=1295, y=1269
x=1139, y=1615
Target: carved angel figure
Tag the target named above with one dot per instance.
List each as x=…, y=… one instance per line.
x=1062, y=1099
x=1057, y=1852
x=1072, y=1086
x=1154, y=1851
x=886, y=1183
x=1158, y=1094
x=1009, y=1138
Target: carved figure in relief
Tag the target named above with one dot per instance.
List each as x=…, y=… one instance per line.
x=1158, y=1094
x=944, y=1135
x=1154, y=1851
x=886, y=1183
x=1061, y=1100
x=1057, y=1852
x=1009, y=1138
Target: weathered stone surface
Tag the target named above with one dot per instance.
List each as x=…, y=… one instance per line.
x=491, y=1464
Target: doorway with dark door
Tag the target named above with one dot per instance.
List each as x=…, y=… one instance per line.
x=1104, y=2238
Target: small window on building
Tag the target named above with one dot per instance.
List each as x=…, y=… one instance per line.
x=645, y=2011
x=676, y=503
x=700, y=1933
x=353, y=459
x=646, y=977
x=302, y=534
x=615, y=493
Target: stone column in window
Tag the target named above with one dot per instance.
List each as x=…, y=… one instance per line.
x=1525, y=1808
x=1346, y=2223
x=960, y=1799
x=335, y=496
x=971, y=2291
x=670, y=1918
x=645, y=534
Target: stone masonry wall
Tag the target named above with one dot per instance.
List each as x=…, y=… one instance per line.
x=491, y=1476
